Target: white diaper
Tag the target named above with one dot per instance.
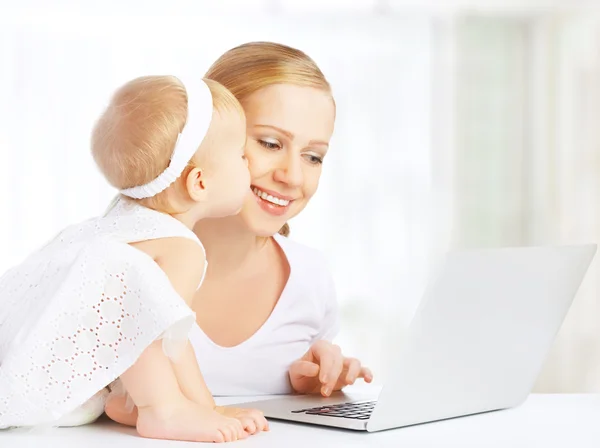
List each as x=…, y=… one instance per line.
x=87, y=413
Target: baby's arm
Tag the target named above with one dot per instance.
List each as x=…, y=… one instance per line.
x=183, y=261
x=160, y=389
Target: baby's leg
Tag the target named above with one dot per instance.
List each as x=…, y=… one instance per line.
x=194, y=388
x=116, y=408
x=190, y=378
x=164, y=412
x=190, y=382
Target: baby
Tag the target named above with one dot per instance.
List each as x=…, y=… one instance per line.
x=109, y=298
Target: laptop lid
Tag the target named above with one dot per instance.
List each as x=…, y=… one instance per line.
x=481, y=333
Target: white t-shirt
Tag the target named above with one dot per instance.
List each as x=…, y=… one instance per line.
x=306, y=312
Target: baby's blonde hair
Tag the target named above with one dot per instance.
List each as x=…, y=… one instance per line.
x=133, y=140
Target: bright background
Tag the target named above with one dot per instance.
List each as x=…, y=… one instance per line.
x=460, y=124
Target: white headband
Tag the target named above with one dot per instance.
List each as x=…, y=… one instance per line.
x=199, y=115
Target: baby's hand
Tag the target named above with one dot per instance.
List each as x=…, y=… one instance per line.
x=252, y=420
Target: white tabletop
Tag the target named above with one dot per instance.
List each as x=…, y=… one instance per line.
x=542, y=421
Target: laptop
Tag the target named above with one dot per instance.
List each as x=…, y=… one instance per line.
x=476, y=343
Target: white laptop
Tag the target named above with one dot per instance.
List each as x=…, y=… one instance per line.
x=476, y=343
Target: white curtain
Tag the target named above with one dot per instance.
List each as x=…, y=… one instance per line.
x=512, y=158
x=526, y=157
x=563, y=191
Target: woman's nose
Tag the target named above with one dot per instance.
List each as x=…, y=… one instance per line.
x=290, y=172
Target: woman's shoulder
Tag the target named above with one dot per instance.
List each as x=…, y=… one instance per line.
x=300, y=254
x=305, y=260
x=312, y=280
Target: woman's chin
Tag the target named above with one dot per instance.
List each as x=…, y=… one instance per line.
x=261, y=226
x=265, y=230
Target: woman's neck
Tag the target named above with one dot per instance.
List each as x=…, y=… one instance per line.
x=230, y=245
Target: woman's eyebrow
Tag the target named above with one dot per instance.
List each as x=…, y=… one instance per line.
x=318, y=142
x=288, y=134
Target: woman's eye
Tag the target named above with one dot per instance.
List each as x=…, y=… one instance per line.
x=315, y=160
x=269, y=145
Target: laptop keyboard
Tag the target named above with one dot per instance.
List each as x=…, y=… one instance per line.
x=359, y=411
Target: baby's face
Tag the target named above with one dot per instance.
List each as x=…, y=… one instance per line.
x=228, y=178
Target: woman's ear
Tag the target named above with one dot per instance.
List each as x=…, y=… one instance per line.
x=195, y=184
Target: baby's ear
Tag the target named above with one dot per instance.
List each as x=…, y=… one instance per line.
x=195, y=185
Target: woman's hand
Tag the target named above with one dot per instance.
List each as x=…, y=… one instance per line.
x=252, y=420
x=324, y=369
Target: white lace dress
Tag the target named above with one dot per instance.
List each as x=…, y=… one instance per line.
x=79, y=312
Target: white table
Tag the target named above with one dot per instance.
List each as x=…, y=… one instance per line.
x=542, y=421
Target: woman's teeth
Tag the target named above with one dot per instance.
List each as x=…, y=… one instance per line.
x=269, y=198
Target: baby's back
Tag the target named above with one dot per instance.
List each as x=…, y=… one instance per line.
x=78, y=311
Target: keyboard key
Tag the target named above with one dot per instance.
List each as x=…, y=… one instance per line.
x=358, y=411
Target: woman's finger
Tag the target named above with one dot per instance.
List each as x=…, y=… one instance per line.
x=334, y=369
x=326, y=357
x=353, y=368
x=366, y=374
x=304, y=368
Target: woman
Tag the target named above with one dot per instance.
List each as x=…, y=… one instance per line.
x=266, y=311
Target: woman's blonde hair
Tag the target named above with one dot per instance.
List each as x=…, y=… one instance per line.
x=134, y=138
x=249, y=67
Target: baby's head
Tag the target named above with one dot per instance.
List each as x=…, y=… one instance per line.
x=134, y=139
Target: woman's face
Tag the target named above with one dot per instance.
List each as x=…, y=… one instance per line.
x=289, y=128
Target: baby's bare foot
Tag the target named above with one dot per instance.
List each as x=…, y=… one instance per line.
x=252, y=420
x=190, y=422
